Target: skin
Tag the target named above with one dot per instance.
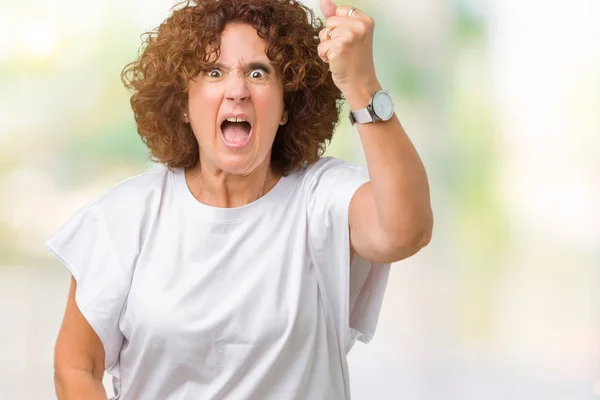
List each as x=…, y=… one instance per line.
x=243, y=81
x=390, y=217
x=78, y=356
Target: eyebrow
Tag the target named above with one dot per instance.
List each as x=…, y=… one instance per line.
x=250, y=65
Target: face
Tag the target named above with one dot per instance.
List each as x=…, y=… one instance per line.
x=243, y=84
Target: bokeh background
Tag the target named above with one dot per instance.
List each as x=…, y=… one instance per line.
x=502, y=100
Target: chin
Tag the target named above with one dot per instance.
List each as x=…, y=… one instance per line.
x=239, y=164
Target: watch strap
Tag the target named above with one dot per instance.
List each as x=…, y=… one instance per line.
x=361, y=116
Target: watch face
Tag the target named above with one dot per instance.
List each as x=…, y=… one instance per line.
x=383, y=106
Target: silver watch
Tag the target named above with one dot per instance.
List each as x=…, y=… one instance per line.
x=380, y=108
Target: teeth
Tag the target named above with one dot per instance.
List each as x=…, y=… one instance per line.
x=236, y=120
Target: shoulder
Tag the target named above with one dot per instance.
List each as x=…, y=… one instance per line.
x=327, y=167
x=327, y=173
x=133, y=195
x=136, y=188
x=329, y=184
x=331, y=163
x=113, y=226
x=131, y=204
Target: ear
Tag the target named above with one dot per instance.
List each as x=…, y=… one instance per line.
x=284, y=118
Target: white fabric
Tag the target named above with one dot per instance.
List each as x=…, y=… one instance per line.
x=198, y=302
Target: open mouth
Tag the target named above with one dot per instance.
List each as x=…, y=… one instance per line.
x=236, y=132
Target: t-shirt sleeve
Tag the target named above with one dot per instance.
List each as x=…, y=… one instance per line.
x=83, y=244
x=353, y=293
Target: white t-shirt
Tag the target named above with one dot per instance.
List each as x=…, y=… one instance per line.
x=199, y=302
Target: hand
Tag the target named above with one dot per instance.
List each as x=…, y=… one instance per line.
x=349, y=48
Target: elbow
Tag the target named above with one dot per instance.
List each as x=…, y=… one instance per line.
x=407, y=242
x=73, y=383
x=61, y=381
x=421, y=235
x=58, y=385
x=59, y=378
x=424, y=234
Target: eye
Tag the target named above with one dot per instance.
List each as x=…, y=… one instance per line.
x=214, y=73
x=258, y=73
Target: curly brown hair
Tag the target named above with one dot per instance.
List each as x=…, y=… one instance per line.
x=188, y=42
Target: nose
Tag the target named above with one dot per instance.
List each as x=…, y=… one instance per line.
x=236, y=88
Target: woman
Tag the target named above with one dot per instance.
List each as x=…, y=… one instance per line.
x=247, y=267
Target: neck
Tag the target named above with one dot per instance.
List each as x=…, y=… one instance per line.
x=217, y=188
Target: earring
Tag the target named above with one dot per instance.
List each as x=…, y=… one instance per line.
x=185, y=116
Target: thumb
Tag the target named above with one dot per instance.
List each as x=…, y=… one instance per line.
x=328, y=8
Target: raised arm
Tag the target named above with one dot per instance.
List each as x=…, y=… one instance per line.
x=78, y=356
x=390, y=218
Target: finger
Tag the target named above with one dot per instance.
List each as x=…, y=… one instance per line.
x=323, y=34
x=342, y=11
x=335, y=31
x=327, y=50
x=342, y=26
x=328, y=8
x=343, y=33
x=336, y=21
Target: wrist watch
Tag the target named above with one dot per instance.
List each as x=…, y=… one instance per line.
x=380, y=108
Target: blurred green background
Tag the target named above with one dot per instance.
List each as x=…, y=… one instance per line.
x=500, y=98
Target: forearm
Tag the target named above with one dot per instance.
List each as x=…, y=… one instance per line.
x=398, y=178
x=77, y=384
